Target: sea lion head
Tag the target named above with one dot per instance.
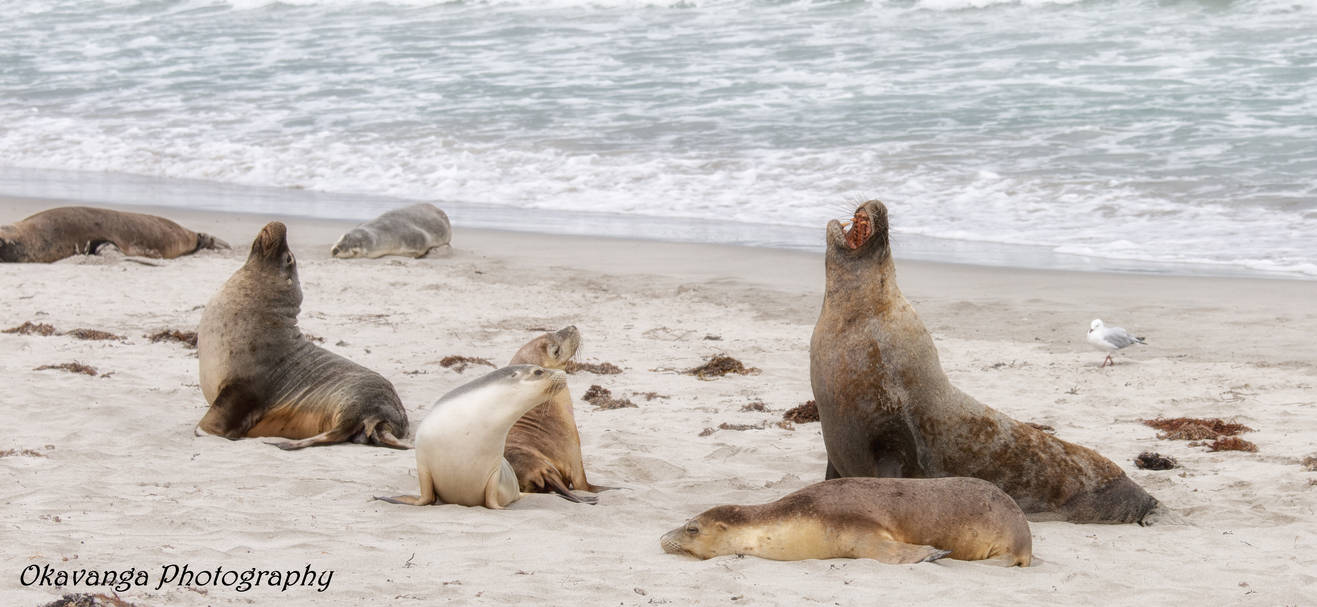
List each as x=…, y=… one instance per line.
x=550, y=350
x=354, y=243
x=707, y=535
x=271, y=256
x=10, y=251
x=865, y=238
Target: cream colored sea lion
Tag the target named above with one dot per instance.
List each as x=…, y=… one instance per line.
x=459, y=446
x=888, y=409
x=262, y=377
x=544, y=446
x=410, y=231
x=54, y=234
x=893, y=520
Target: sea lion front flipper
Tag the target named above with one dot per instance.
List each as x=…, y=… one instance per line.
x=893, y=552
x=228, y=415
x=502, y=488
x=555, y=483
x=428, y=494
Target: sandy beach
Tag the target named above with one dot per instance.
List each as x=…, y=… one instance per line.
x=105, y=473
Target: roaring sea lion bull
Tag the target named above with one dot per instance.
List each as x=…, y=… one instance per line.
x=888, y=409
x=54, y=234
x=262, y=377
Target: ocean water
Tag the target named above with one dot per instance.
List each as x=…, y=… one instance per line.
x=1148, y=135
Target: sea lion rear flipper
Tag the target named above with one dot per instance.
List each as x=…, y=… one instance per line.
x=555, y=483
x=898, y=553
x=406, y=500
x=387, y=439
x=337, y=435
x=206, y=241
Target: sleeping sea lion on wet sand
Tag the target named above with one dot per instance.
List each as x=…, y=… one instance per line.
x=544, y=446
x=410, y=231
x=54, y=234
x=262, y=377
x=893, y=520
x=888, y=410
x=459, y=446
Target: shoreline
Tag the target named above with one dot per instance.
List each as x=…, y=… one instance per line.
x=186, y=195
x=107, y=475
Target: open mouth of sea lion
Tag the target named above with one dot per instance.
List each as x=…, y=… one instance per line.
x=859, y=231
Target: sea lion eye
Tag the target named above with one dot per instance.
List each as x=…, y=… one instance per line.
x=539, y=372
x=692, y=530
x=553, y=351
x=288, y=259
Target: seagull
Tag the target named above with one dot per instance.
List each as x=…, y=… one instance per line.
x=1110, y=339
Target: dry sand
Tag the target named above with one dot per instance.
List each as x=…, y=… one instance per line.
x=116, y=480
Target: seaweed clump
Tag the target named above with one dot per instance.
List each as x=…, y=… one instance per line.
x=187, y=338
x=73, y=367
x=1232, y=443
x=29, y=328
x=1154, y=461
x=605, y=368
x=602, y=398
x=1192, y=428
x=720, y=365
x=804, y=413
x=460, y=363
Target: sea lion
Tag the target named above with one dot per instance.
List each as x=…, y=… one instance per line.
x=888, y=409
x=410, y=231
x=54, y=234
x=262, y=377
x=893, y=520
x=459, y=446
x=544, y=446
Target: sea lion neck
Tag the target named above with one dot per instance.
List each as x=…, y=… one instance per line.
x=870, y=278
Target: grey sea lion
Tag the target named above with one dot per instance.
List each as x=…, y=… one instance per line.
x=544, y=446
x=459, y=446
x=54, y=234
x=893, y=520
x=888, y=409
x=262, y=377
x=410, y=231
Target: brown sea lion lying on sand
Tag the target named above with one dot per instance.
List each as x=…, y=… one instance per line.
x=54, y=234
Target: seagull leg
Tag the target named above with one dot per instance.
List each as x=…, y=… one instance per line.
x=1108, y=360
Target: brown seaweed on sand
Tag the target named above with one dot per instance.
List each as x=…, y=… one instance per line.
x=605, y=368
x=93, y=334
x=187, y=338
x=757, y=405
x=1310, y=463
x=1154, y=461
x=1232, y=443
x=1191, y=428
x=22, y=452
x=89, y=600
x=602, y=398
x=29, y=328
x=462, y=362
x=73, y=367
x=804, y=413
x=720, y=365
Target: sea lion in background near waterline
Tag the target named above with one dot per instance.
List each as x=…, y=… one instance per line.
x=888, y=409
x=544, y=446
x=262, y=377
x=893, y=520
x=54, y=234
x=410, y=231
x=459, y=446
